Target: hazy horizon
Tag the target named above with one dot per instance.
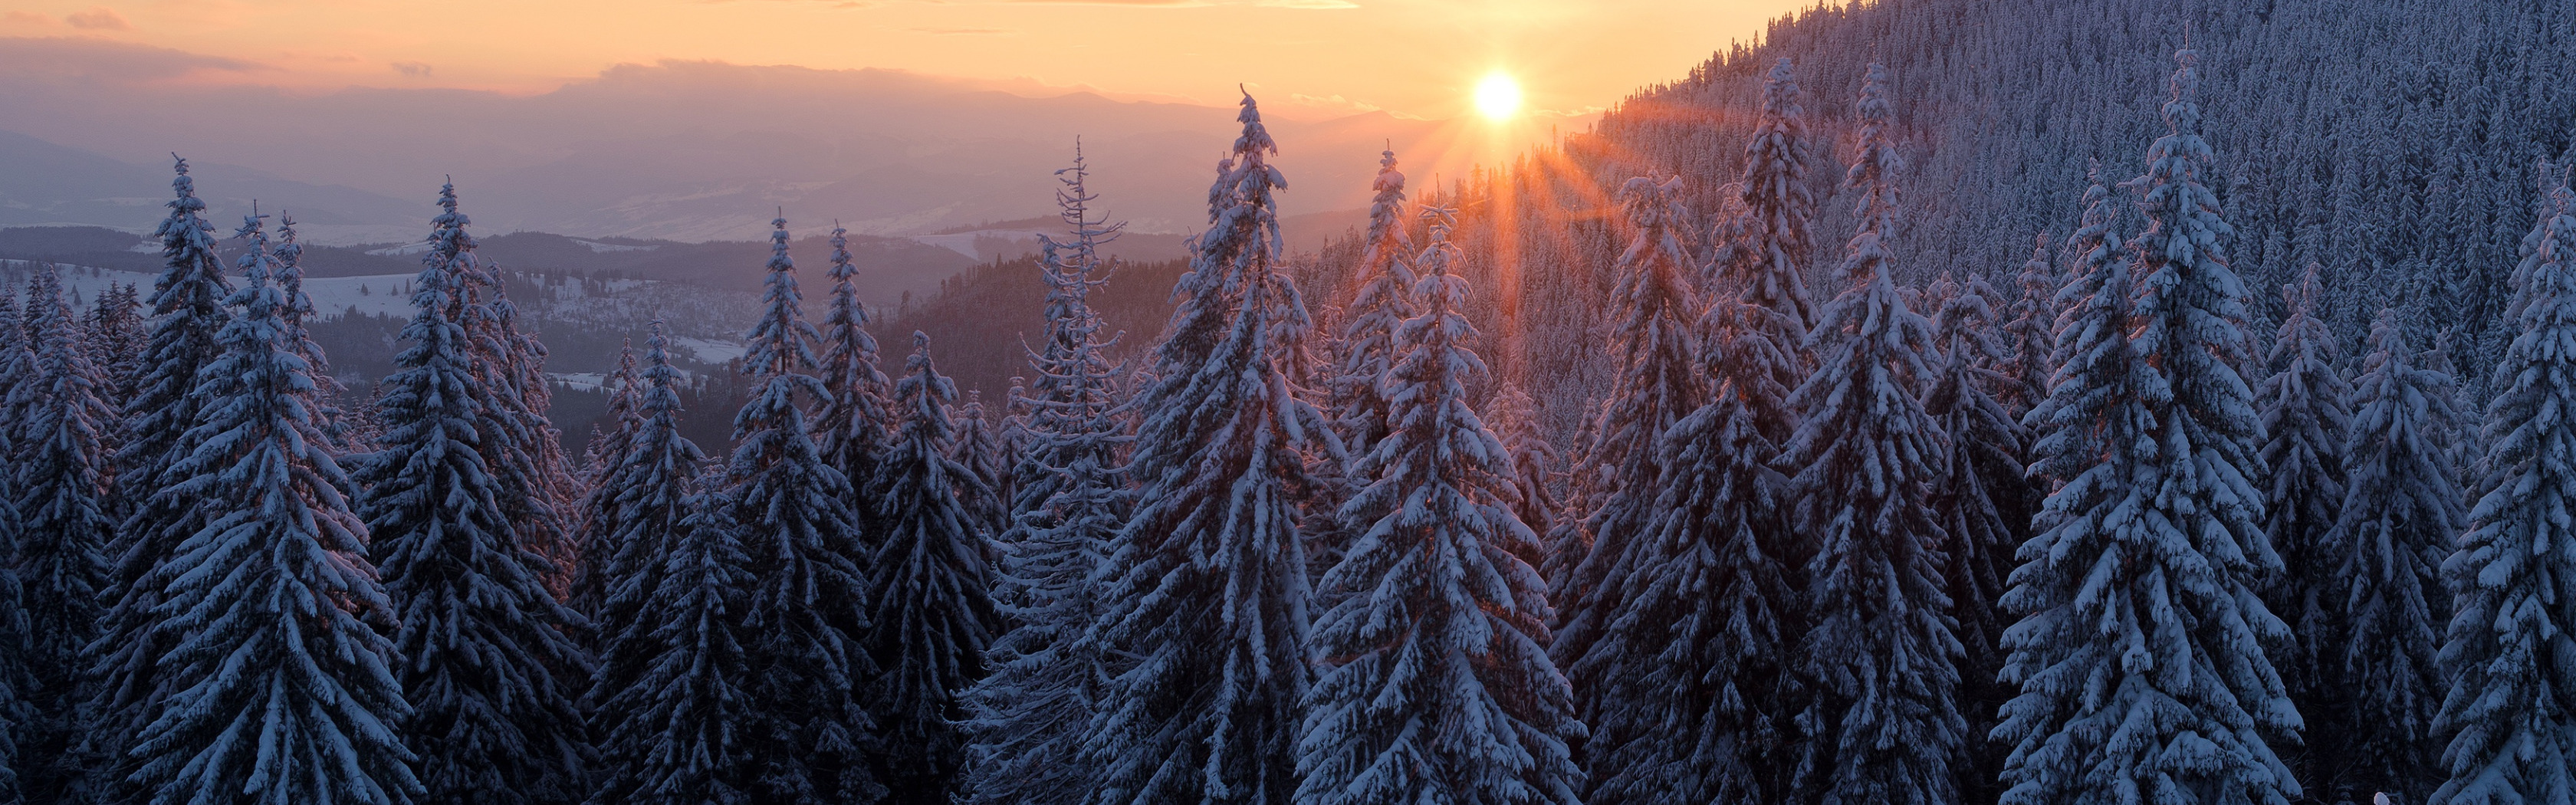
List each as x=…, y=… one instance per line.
x=684, y=150
x=1411, y=57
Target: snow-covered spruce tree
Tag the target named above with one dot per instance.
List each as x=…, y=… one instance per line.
x=609, y=451
x=2140, y=652
x=2094, y=248
x=682, y=722
x=625, y=413
x=540, y=491
x=1438, y=687
x=334, y=421
x=1565, y=542
x=1656, y=385
x=2307, y=426
x=284, y=689
x=856, y=419
x=644, y=499
x=1030, y=716
x=1983, y=503
x=975, y=446
x=2087, y=435
x=187, y=312
x=62, y=475
x=1369, y=321
x=1206, y=582
x=2509, y=653
x=14, y=685
x=2468, y=444
x=1692, y=668
x=1780, y=210
x=2402, y=510
x=669, y=701
x=934, y=614
x=521, y=448
x=1534, y=461
x=1006, y=429
x=807, y=606
x=1014, y=432
x=2029, y=337
x=1365, y=353
x=482, y=647
x=17, y=363
x=115, y=339
x=1879, y=722
x=17, y=368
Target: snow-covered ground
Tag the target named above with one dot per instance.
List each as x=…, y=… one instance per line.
x=332, y=296
x=585, y=381
x=597, y=247
x=964, y=242
x=401, y=249
x=710, y=351
x=85, y=283
x=570, y=306
x=379, y=294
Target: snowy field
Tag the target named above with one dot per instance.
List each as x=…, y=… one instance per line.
x=84, y=283
x=380, y=294
x=708, y=350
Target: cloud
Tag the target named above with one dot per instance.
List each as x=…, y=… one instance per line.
x=1334, y=101
x=1307, y=4
x=412, y=69
x=84, y=60
x=1317, y=4
x=101, y=18
x=959, y=31
x=26, y=18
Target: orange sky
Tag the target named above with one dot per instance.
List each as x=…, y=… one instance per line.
x=1410, y=57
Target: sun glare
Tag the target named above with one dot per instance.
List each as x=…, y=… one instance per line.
x=1498, y=97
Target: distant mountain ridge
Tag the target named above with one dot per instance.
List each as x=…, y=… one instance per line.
x=49, y=183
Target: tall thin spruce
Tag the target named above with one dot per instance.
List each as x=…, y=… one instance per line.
x=1031, y=716
x=1207, y=582
x=186, y=310
x=2509, y=653
x=276, y=621
x=2151, y=425
x=62, y=480
x=1438, y=687
x=1880, y=660
x=482, y=646
x=807, y=610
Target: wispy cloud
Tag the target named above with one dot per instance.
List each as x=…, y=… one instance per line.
x=1306, y=4
x=1315, y=4
x=1335, y=102
x=412, y=69
x=101, y=18
x=88, y=60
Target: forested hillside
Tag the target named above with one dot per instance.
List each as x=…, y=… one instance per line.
x=2396, y=144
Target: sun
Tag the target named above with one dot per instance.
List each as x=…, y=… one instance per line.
x=1498, y=97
